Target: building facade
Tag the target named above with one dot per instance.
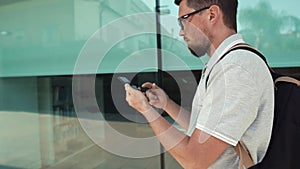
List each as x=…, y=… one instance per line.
x=60, y=99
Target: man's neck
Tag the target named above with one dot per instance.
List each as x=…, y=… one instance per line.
x=218, y=38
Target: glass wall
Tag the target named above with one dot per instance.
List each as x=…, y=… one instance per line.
x=271, y=26
x=61, y=103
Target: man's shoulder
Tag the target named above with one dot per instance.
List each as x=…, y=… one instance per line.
x=245, y=59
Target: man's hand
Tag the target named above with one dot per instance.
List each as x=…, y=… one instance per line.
x=137, y=99
x=157, y=97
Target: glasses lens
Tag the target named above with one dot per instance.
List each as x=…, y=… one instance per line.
x=181, y=19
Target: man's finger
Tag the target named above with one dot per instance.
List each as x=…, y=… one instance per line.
x=151, y=95
x=131, y=91
x=150, y=85
x=147, y=85
x=154, y=86
x=127, y=87
x=153, y=102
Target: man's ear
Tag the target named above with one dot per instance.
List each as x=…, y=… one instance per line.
x=214, y=13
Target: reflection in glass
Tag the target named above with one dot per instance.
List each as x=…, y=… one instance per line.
x=40, y=42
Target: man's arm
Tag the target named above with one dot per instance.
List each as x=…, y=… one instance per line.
x=198, y=151
x=178, y=113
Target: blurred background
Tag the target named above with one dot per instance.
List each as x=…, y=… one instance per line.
x=41, y=42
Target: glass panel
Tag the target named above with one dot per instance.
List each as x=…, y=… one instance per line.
x=39, y=127
x=273, y=27
x=41, y=44
x=55, y=37
x=47, y=37
x=270, y=26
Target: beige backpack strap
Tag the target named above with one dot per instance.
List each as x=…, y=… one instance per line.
x=288, y=79
x=245, y=158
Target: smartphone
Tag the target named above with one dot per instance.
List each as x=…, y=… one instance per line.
x=124, y=80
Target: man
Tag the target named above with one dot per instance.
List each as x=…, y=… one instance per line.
x=234, y=99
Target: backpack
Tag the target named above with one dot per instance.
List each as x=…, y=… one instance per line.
x=284, y=146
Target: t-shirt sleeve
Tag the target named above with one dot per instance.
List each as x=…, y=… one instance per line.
x=230, y=105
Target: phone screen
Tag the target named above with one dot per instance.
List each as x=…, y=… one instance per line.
x=124, y=80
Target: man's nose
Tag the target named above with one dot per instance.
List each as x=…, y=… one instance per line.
x=181, y=32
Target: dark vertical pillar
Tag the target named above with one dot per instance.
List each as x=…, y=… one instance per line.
x=159, y=67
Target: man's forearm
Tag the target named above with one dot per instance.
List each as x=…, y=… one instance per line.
x=168, y=135
x=189, y=153
x=179, y=114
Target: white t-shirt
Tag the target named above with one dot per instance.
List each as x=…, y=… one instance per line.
x=237, y=104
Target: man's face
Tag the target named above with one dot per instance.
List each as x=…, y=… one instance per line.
x=194, y=31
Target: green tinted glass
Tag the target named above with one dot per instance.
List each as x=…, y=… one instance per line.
x=48, y=37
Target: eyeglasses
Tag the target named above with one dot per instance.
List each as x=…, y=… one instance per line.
x=184, y=17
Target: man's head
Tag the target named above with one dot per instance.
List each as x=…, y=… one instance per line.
x=206, y=29
x=228, y=7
